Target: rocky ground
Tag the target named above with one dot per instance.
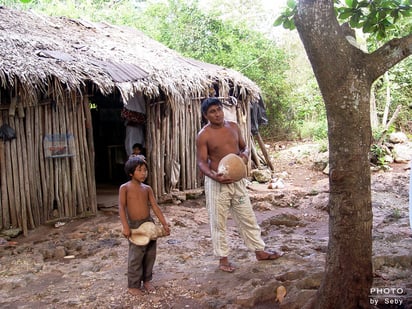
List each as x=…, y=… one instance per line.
x=82, y=263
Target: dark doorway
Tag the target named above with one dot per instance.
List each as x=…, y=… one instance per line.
x=108, y=136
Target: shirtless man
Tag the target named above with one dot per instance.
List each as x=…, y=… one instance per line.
x=136, y=200
x=223, y=195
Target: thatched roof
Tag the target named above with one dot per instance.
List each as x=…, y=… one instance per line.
x=48, y=54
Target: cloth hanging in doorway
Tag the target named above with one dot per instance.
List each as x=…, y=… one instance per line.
x=134, y=114
x=134, y=134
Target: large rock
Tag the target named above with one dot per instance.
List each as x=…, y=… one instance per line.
x=262, y=176
x=402, y=153
x=398, y=137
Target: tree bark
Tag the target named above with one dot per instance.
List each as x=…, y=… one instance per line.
x=345, y=75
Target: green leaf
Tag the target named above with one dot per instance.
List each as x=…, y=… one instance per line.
x=368, y=28
x=346, y=12
x=354, y=20
x=345, y=15
x=291, y=4
x=348, y=3
x=280, y=20
x=287, y=24
x=381, y=34
x=395, y=14
x=382, y=14
x=386, y=24
x=363, y=4
x=406, y=13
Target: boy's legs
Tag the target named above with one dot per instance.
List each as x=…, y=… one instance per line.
x=136, y=261
x=135, y=269
x=148, y=263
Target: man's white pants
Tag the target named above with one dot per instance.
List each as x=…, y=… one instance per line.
x=222, y=199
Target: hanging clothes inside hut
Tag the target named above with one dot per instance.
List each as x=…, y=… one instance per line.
x=229, y=107
x=134, y=115
x=258, y=115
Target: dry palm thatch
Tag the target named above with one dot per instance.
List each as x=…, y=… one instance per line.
x=42, y=54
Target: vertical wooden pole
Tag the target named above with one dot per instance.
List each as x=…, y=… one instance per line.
x=5, y=213
x=264, y=151
x=90, y=153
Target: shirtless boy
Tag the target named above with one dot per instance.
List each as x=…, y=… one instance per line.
x=223, y=195
x=135, y=200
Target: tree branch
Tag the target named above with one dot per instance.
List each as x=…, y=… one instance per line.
x=388, y=55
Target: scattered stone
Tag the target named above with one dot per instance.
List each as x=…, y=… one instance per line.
x=261, y=176
x=288, y=220
x=10, y=233
x=398, y=137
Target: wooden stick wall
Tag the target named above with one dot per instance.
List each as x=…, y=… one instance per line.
x=36, y=189
x=171, y=146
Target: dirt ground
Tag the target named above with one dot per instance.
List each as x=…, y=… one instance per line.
x=82, y=263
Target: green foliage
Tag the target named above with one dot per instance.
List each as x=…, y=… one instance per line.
x=286, y=17
x=115, y=12
x=381, y=20
x=400, y=79
x=377, y=133
x=378, y=153
x=182, y=27
x=375, y=17
x=314, y=130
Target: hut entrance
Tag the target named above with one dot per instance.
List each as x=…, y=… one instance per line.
x=109, y=137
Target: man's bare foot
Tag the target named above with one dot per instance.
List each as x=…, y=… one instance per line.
x=135, y=292
x=264, y=255
x=229, y=268
x=226, y=266
x=149, y=287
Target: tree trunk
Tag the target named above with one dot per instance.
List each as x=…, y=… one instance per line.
x=348, y=276
x=346, y=92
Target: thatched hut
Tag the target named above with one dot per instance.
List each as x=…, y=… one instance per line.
x=63, y=86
